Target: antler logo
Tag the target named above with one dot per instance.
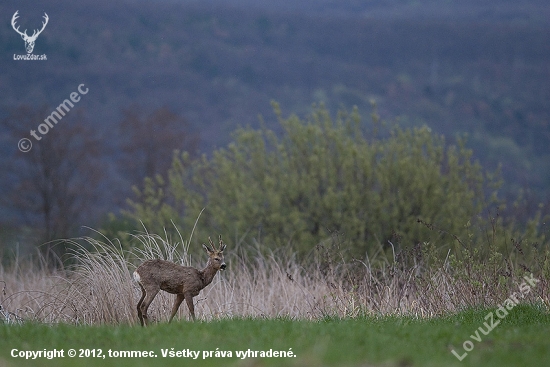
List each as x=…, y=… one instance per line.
x=29, y=40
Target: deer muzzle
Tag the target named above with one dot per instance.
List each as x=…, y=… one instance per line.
x=222, y=266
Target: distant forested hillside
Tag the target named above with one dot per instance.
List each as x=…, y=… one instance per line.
x=477, y=10
x=483, y=70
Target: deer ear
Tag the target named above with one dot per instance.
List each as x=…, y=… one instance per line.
x=206, y=248
x=222, y=247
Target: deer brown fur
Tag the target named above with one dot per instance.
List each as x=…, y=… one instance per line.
x=183, y=281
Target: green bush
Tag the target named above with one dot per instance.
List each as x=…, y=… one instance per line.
x=318, y=177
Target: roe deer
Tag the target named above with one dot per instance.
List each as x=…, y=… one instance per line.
x=184, y=281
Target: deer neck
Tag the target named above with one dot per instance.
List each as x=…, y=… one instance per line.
x=208, y=273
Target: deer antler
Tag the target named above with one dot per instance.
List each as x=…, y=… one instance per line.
x=46, y=18
x=24, y=34
x=13, y=19
x=211, y=244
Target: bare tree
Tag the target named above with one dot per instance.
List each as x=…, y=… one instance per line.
x=148, y=141
x=53, y=187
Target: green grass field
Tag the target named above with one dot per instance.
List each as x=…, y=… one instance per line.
x=520, y=339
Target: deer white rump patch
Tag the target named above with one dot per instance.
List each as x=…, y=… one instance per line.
x=137, y=278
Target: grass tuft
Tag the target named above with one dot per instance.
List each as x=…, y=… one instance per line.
x=98, y=288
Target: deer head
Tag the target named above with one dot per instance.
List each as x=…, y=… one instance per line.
x=29, y=40
x=216, y=255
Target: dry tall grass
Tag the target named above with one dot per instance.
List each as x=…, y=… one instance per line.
x=99, y=289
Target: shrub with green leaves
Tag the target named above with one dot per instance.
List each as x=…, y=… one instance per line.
x=319, y=176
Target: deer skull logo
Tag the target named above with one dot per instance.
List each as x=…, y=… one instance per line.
x=29, y=40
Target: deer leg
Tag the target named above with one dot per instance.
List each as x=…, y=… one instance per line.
x=177, y=303
x=140, y=315
x=189, y=300
x=151, y=293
